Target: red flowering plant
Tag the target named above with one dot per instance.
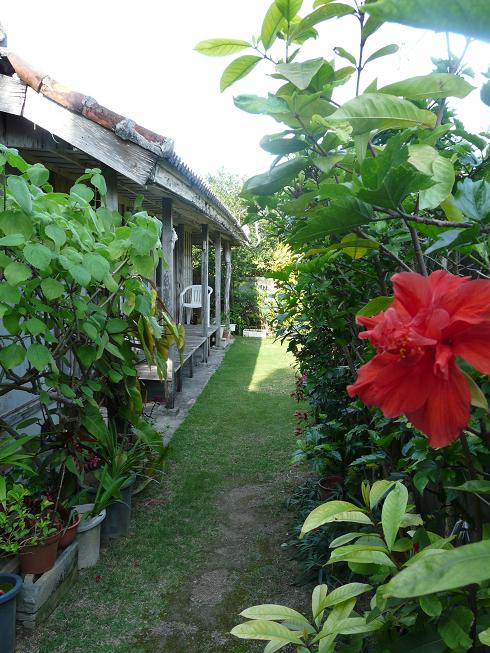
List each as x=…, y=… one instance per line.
x=431, y=322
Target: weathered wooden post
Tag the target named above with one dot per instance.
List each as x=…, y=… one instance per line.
x=217, y=286
x=204, y=284
x=227, y=252
x=179, y=270
x=167, y=268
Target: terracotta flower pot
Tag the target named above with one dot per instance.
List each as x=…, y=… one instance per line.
x=68, y=535
x=328, y=484
x=39, y=558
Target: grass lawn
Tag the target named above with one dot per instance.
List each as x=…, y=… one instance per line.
x=206, y=542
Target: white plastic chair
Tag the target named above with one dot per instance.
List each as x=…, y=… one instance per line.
x=195, y=301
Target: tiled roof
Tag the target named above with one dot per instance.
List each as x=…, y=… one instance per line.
x=87, y=106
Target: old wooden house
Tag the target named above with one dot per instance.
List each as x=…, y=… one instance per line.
x=68, y=132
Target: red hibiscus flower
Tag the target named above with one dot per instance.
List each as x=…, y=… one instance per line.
x=432, y=321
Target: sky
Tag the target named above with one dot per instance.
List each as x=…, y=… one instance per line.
x=137, y=58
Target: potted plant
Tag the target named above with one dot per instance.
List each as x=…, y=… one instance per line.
x=29, y=527
x=10, y=586
x=71, y=520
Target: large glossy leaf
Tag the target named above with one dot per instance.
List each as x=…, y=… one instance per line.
x=273, y=22
x=265, y=630
x=343, y=593
x=393, y=511
x=479, y=485
x=398, y=182
x=379, y=488
x=39, y=356
x=271, y=105
x=38, y=255
x=442, y=571
x=20, y=192
x=238, y=69
x=455, y=626
x=469, y=18
x=427, y=160
x=377, y=111
x=473, y=198
x=300, y=74
x=12, y=356
x=334, y=10
x=16, y=273
x=343, y=216
x=364, y=557
x=273, y=612
x=453, y=238
x=280, y=144
x=221, y=47
x=434, y=86
x=289, y=8
x=317, y=597
x=326, y=513
x=275, y=179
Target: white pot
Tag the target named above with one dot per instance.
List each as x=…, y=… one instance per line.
x=232, y=328
x=88, y=533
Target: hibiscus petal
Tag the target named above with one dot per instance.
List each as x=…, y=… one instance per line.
x=473, y=345
x=394, y=385
x=469, y=303
x=442, y=282
x=447, y=409
x=412, y=292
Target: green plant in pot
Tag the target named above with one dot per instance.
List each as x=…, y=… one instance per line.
x=30, y=528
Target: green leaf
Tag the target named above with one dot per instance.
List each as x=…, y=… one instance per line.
x=35, y=326
x=39, y=256
x=484, y=637
x=56, y=234
x=289, y=8
x=82, y=193
x=238, y=69
x=453, y=238
x=99, y=182
x=15, y=222
x=273, y=612
x=319, y=16
x=12, y=356
x=221, y=47
x=80, y=275
x=86, y=355
x=379, y=488
x=342, y=216
x=471, y=19
x=473, y=198
x=318, y=595
x=442, y=571
x=143, y=240
x=393, y=511
x=265, y=630
x=435, y=86
x=38, y=356
x=52, y=289
x=395, y=185
x=20, y=192
x=478, y=485
x=376, y=111
x=478, y=399
x=344, y=593
x=431, y=605
x=383, y=52
x=143, y=265
x=16, y=273
x=427, y=160
x=271, y=105
x=38, y=174
x=275, y=179
x=326, y=513
x=364, y=557
x=455, y=626
x=96, y=265
x=278, y=144
x=12, y=241
x=357, y=626
x=9, y=293
x=345, y=55
x=300, y=74
x=273, y=23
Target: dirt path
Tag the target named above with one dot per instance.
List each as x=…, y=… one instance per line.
x=207, y=542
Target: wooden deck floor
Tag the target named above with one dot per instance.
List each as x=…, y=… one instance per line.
x=194, y=341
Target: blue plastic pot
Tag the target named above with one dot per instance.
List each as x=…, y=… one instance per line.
x=11, y=584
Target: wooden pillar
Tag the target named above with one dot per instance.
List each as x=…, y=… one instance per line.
x=167, y=269
x=227, y=253
x=179, y=269
x=217, y=286
x=111, y=199
x=204, y=278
